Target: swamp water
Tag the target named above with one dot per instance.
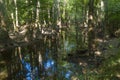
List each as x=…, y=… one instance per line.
x=44, y=64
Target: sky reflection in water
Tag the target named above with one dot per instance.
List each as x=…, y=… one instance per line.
x=49, y=66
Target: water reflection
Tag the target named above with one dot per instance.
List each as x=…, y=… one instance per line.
x=30, y=72
x=68, y=74
x=29, y=67
x=49, y=66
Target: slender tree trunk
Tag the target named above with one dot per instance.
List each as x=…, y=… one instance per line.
x=37, y=11
x=106, y=18
x=16, y=14
x=76, y=26
x=91, y=28
x=57, y=28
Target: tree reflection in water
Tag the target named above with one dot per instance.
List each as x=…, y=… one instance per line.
x=49, y=66
x=30, y=74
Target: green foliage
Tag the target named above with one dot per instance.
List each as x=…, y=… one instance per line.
x=114, y=10
x=85, y=2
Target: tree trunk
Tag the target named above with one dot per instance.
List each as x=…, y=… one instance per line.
x=3, y=16
x=37, y=11
x=16, y=15
x=91, y=28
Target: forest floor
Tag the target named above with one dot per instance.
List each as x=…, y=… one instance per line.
x=106, y=49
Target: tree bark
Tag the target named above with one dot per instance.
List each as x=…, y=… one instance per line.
x=91, y=28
